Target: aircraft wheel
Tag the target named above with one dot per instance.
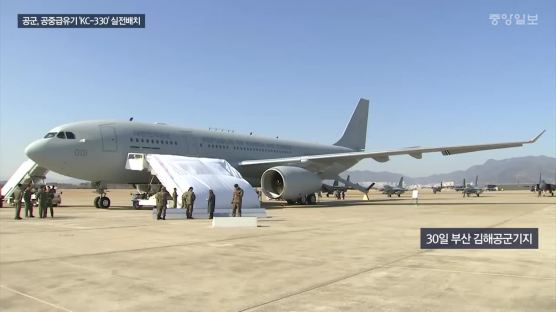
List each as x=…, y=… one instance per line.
x=311, y=199
x=96, y=202
x=104, y=202
x=303, y=200
x=398, y=195
x=477, y=195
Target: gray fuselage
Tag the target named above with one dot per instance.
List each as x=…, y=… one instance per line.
x=99, y=150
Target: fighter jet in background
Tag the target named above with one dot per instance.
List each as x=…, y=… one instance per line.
x=472, y=189
x=335, y=187
x=437, y=188
x=543, y=187
x=397, y=190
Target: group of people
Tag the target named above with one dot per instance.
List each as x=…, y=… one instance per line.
x=188, y=201
x=44, y=197
x=340, y=194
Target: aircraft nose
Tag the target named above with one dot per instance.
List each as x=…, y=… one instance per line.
x=35, y=151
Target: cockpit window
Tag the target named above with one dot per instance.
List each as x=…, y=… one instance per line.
x=50, y=135
x=70, y=135
x=61, y=135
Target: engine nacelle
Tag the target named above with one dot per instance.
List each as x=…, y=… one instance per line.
x=288, y=183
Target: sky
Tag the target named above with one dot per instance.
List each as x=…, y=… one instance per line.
x=436, y=73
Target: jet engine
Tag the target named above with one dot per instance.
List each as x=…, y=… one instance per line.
x=293, y=184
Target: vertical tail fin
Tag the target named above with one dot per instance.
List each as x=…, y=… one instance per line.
x=400, y=184
x=476, y=181
x=355, y=135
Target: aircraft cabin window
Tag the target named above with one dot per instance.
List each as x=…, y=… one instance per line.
x=70, y=135
x=50, y=135
x=61, y=135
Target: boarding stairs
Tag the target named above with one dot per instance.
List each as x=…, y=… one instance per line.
x=202, y=174
x=27, y=172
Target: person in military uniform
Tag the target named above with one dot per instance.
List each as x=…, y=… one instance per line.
x=51, y=193
x=189, y=202
x=161, y=202
x=17, y=195
x=184, y=200
x=42, y=199
x=49, y=198
x=175, y=197
x=237, y=198
x=211, y=201
x=28, y=202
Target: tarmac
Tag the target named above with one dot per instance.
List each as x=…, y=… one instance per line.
x=350, y=255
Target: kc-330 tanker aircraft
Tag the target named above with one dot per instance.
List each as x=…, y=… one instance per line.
x=98, y=151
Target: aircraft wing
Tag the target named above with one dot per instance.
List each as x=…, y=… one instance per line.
x=320, y=163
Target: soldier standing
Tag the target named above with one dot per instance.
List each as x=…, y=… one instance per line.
x=49, y=198
x=237, y=198
x=175, y=197
x=184, y=199
x=18, y=195
x=161, y=202
x=28, y=203
x=42, y=199
x=211, y=201
x=190, y=201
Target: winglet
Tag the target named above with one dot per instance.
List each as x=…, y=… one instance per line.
x=537, y=137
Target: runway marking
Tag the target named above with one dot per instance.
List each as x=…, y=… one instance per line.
x=476, y=273
x=380, y=266
x=332, y=281
x=178, y=245
x=34, y=298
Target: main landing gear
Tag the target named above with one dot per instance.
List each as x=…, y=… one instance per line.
x=101, y=201
x=310, y=199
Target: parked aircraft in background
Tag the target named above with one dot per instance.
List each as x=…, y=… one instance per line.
x=394, y=190
x=436, y=189
x=97, y=151
x=330, y=189
x=472, y=189
x=543, y=187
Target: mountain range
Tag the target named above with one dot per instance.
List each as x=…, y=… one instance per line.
x=520, y=170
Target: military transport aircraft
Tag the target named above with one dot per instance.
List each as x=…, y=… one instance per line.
x=97, y=151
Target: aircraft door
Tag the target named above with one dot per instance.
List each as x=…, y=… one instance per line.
x=109, y=138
